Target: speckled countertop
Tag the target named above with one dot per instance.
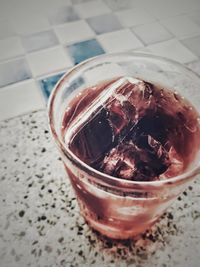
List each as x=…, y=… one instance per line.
x=40, y=223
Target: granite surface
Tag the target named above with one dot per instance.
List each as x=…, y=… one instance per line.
x=40, y=223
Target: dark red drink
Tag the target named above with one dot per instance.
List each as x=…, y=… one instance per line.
x=139, y=131
x=132, y=130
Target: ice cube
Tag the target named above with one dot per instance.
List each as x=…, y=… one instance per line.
x=107, y=119
x=176, y=166
x=120, y=161
x=142, y=162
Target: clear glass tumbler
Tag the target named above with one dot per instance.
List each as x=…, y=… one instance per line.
x=115, y=207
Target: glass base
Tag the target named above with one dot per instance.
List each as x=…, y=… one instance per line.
x=117, y=233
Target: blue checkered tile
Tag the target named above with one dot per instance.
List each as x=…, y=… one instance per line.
x=84, y=50
x=47, y=84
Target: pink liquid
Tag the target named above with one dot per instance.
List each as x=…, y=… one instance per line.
x=141, y=132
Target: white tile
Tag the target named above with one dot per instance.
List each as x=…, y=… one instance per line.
x=40, y=40
x=14, y=71
x=132, y=17
x=63, y=15
x=10, y=47
x=151, y=33
x=75, y=2
x=181, y=26
x=31, y=23
x=173, y=49
x=91, y=9
x=58, y=3
x=49, y=60
x=195, y=66
x=119, y=41
x=193, y=44
x=52, y=5
x=26, y=8
x=6, y=29
x=163, y=9
x=19, y=8
x=20, y=98
x=104, y=23
x=5, y=9
x=187, y=6
x=74, y=32
x=116, y=5
x=195, y=16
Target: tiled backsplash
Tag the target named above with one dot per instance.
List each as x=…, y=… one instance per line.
x=47, y=84
x=40, y=40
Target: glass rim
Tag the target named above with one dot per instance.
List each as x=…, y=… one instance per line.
x=95, y=174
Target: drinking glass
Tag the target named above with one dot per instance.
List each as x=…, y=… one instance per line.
x=116, y=207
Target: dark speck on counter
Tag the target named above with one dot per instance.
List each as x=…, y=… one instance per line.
x=47, y=229
x=21, y=213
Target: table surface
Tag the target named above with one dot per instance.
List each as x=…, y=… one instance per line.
x=40, y=224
